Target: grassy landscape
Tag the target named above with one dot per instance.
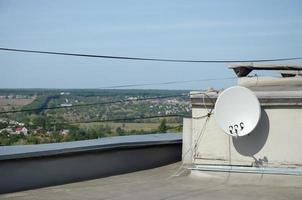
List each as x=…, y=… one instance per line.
x=9, y=104
x=128, y=126
x=68, y=123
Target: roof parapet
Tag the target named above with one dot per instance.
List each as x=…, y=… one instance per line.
x=286, y=70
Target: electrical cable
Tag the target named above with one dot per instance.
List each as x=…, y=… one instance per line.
x=193, y=150
x=130, y=118
x=93, y=104
x=182, y=167
x=125, y=119
x=145, y=58
x=100, y=103
x=166, y=83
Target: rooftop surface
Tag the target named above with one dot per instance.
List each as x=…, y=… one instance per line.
x=162, y=183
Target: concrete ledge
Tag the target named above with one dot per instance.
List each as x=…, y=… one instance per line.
x=266, y=98
x=34, y=166
x=248, y=169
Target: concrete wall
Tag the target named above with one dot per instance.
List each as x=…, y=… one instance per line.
x=52, y=169
x=187, y=153
x=276, y=141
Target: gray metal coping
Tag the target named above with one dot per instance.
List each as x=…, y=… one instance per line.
x=51, y=149
x=243, y=69
x=262, y=66
x=266, y=98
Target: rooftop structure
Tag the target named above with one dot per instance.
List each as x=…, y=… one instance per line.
x=286, y=70
x=276, y=141
x=290, y=79
x=32, y=166
x=264, y=164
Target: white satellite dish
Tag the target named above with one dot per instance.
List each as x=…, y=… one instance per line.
x=237, y=111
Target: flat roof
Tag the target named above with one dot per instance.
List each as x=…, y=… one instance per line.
x=169, y=183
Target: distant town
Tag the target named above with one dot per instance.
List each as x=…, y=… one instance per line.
x=67, y=122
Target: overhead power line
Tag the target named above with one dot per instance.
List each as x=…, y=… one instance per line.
x=132, y=118
x=104, y=103
x=145, y=58
x=166, y=83
x=93, y=104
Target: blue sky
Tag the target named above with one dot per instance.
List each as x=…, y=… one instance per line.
x=164, y=29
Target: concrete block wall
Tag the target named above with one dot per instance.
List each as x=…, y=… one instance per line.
x=276, y=141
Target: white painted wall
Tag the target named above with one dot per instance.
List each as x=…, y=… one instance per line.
x=276, y=141
x=187, y=153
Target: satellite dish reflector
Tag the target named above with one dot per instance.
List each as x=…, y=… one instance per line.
x=237, y=111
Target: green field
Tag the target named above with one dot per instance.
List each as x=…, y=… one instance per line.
x=128, y=126
x=47, y=120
